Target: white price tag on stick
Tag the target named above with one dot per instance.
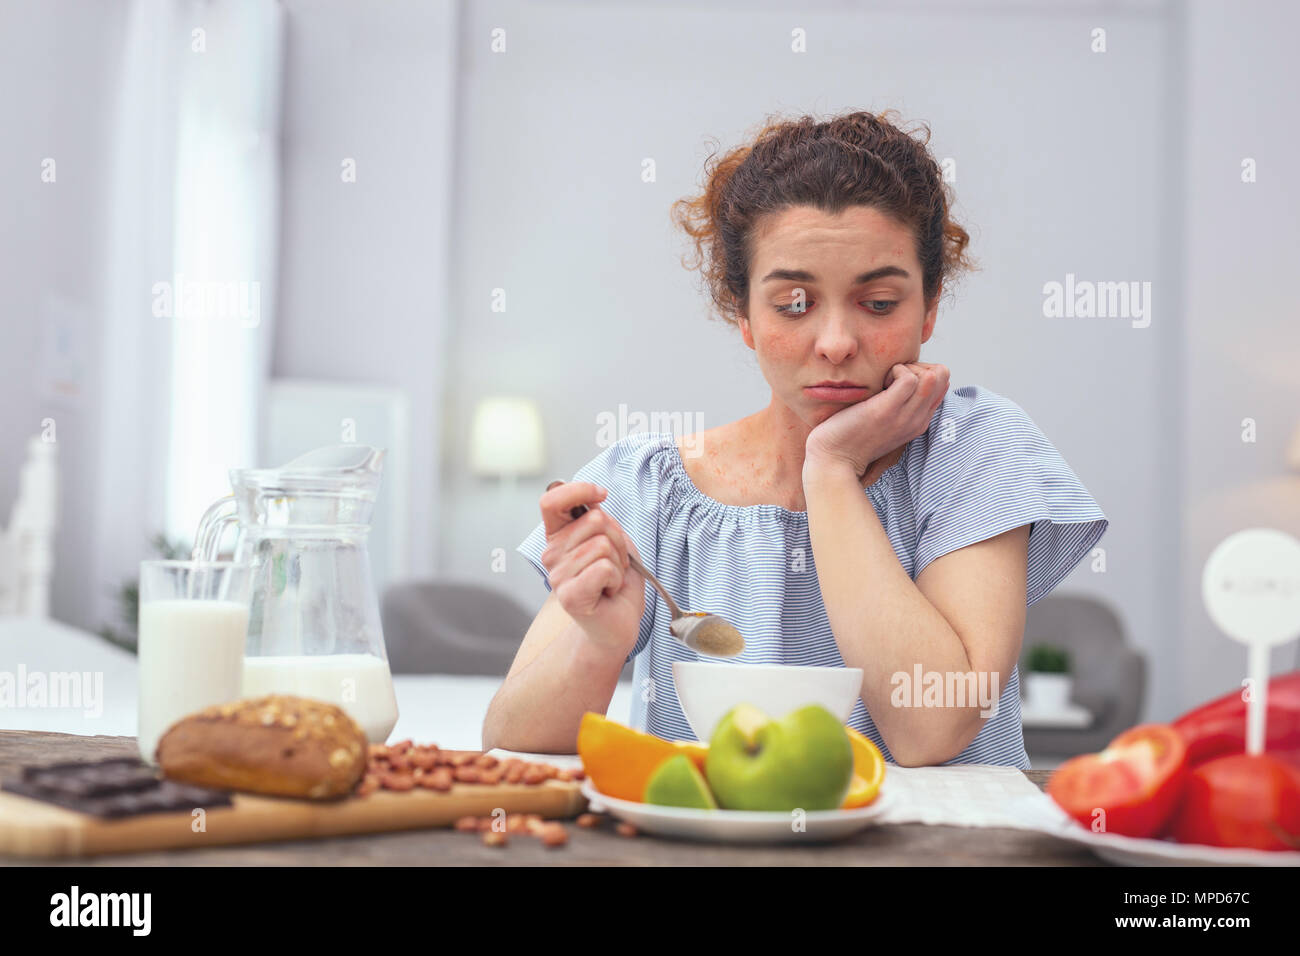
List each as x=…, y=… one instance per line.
x=1251, y=589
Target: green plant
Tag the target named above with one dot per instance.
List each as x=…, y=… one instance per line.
x=128, y=595
x=1047, y=659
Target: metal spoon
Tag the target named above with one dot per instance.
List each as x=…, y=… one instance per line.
x=708, y=634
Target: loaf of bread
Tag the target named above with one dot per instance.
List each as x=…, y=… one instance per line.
x=280, y=745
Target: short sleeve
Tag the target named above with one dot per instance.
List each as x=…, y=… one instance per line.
x=628, y=470
x=988, y=468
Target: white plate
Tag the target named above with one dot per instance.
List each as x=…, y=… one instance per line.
x=1132, y=851
x=739, y=826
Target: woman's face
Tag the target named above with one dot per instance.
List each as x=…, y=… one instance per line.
x=863, y=309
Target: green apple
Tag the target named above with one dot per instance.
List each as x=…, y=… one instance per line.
x=677, y=782
x=803, y=761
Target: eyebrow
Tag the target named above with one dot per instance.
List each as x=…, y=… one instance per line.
x=803, y=275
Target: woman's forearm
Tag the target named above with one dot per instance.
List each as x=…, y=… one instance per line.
x=539, y=709
x=881, y=620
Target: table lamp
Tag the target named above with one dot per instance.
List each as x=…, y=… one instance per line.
x=1293, y=452
x=506, y=438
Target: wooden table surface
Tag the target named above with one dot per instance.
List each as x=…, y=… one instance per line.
x=893, y=845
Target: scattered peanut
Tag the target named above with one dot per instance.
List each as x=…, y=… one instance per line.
x=625, y=829
x=553, y=834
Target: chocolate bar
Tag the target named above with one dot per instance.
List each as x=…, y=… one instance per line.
x=112, y=788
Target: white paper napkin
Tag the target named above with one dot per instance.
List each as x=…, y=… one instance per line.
x=969, y=795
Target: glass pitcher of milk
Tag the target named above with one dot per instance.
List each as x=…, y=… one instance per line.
x=313, y=621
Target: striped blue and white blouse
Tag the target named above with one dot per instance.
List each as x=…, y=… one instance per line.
x=982, y=467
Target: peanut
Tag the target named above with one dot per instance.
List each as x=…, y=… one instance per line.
x=399, y=763
x=431, y=781
x=625, y=829
x=589, y=820
x=468, y=774
x=494, y=838
x=423, y=759
x=398, y=781
x=553, y=834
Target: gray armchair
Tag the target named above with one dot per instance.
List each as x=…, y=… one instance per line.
x=1109, y=676
x=454, y=627
x=451, y=627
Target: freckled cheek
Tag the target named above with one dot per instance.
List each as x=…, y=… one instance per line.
x=781, y=349
x=890, y=347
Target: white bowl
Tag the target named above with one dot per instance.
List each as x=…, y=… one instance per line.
x=707, y=691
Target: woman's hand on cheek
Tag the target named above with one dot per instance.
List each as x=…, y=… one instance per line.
x=862, y=433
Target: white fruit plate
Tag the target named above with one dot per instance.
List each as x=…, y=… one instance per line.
x=739, y=826
x=1133, y=851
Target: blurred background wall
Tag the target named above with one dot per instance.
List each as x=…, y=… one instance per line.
x=479, y=177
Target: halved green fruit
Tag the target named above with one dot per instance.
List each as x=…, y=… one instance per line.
x=677, y=782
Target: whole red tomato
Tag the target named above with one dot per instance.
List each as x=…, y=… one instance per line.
x=1137, y=780
x=1242, y=800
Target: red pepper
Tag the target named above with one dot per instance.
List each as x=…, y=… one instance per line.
x=1219, y=727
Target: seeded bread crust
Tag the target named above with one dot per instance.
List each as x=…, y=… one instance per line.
x=279, y=745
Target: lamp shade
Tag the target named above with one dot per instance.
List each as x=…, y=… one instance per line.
x=1293, y=452
x=506, y=437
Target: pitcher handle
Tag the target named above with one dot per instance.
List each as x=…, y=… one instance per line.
x=212, y=527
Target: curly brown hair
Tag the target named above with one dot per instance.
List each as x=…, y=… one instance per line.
x=855, y=159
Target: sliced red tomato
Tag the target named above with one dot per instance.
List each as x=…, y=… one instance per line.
x=1137, y=780
x=1242, y=800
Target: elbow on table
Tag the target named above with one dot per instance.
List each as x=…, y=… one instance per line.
x=932, y=754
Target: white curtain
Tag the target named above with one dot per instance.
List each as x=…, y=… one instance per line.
x=189, y=283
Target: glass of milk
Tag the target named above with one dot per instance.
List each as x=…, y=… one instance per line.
x=192, y=630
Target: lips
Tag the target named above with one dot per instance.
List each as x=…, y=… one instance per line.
x=836, y=393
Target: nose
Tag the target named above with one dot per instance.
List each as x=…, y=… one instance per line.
x=836, y=336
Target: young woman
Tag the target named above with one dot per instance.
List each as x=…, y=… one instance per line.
x=868, y=517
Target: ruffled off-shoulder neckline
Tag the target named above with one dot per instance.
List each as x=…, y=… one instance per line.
x=682, y=489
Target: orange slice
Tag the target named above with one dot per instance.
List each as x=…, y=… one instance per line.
x=868, y=771
x=620, y=760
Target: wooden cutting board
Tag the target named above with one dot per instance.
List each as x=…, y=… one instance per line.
x=31, y=828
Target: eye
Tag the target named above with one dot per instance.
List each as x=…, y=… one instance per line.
x=875, y=307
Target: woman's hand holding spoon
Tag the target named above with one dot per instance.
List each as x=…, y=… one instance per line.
x=704, y=633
